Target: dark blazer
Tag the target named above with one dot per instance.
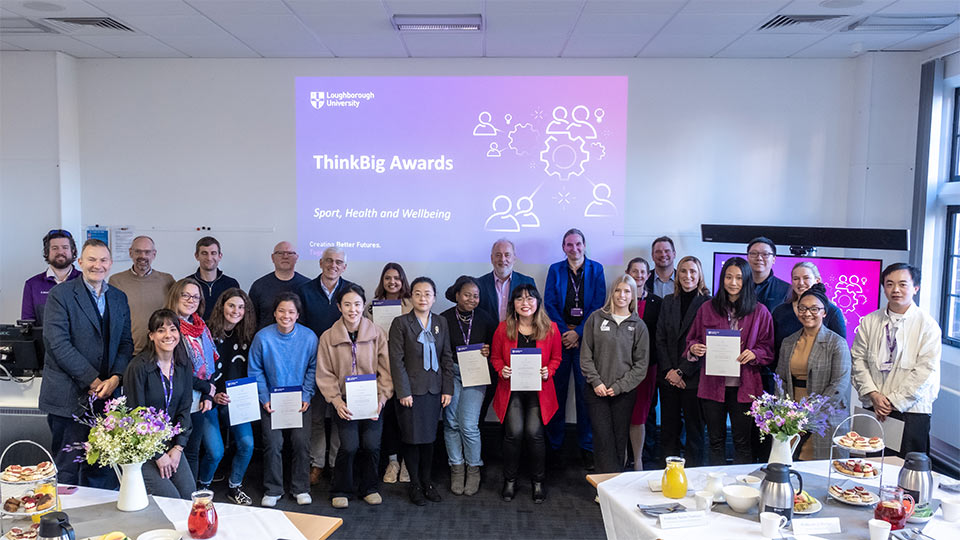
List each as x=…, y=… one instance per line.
x=651, y=315
x=555, y=292
x=74, y=346
x=672, y=338
x=488, y=290
x=144, y=388
x=319, y=312
x=406, y=357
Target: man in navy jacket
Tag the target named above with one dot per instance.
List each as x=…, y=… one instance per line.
x=496, y=287
x=575, y=288
x=86, y=332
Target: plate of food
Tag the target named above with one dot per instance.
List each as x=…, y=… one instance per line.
x=22, y=533
x=856, y=468
x=29, y=503
x=805, y=504
x=18, y=474
x=856, y=496
x=858, y=443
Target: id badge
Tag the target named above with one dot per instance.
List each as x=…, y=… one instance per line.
x=576, y=312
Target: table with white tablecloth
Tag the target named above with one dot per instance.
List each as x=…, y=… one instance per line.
x=622, y=520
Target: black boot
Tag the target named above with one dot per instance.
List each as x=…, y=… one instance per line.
x=416, y=495
x=431, y=494
x=509, y=490
x=538, y=494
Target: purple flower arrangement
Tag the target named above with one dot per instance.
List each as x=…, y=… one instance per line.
x=783, y=418
x=120, y=435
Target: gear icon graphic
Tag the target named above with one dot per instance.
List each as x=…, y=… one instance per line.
x=848, y=293
x=564, y=156
x=522, y=138
x=598, y=150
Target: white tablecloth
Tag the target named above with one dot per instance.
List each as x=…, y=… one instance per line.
x=235, y=522
x=622, y=520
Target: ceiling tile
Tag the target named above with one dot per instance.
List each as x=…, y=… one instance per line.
x=813, y=7
x=433, y=7
x=605, y=45
x=384, y=45
x=848, y=44
x=221, y=45
x=525, y=45
x=926, y=41
x=432, y=45
x=633, y=6
x=621, y=23
x=543, y=17
x=173, y=25
x=4, y=46
x=64, y=44
x=714, y=23
x=273, y=35
x=768, y=45
x=71, y=8
x=341, y=8
x=926, y=7
x=214, y=8
x=734, y=6
x=133, y=46
x=123, y=8
x=686, y=45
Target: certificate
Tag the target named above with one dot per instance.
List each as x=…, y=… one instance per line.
x=525, y=370
x=892, y=434
x=384, y=311
x=244, y=403
x=286, y=402
x=195, y=403
x=723, y=348
x=473, y=365
x=362, y=396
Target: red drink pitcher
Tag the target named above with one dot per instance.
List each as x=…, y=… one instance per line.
x=894, y=507
x=203, y=521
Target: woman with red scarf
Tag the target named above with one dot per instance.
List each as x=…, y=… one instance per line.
x=186, y=300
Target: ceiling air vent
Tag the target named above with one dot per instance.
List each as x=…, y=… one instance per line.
x=87, y=25
x=826, y=23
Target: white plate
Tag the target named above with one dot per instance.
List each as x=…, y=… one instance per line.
x=161, y=534
x=813, y=509
x=844, y=501
x=838, y=471
x=836, y=441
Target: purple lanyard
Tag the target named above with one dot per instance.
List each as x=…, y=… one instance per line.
x=466, y=335
x=891, y=343
x=167, y=392
x=353, y=354
x=576, y=287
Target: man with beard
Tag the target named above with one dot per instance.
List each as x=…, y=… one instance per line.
x=213, y=280
x=146, y=288
x=59, y=250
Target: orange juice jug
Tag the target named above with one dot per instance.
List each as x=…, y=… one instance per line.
x=674, y=482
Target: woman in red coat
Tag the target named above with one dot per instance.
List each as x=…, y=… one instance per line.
x=525, y=413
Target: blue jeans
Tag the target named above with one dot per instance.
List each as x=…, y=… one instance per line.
x=561, y=379
x=206, y=432
x=242, y=436
x=461, y=430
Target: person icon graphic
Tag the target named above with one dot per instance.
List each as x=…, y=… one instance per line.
x=525, y=215
x=581, y=126
x=501, y=220
x=600, y=206
x=559, y=124
x=484, y=128
x=494, y=150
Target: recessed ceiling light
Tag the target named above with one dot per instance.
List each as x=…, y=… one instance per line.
x=43, y=6
x=840, y=4
x=434, y=23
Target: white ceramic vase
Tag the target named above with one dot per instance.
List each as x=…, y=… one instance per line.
x=133, y=492
x=782, y=451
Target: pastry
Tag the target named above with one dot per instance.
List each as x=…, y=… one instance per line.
x=11, y=505
x=875, y=443
x=44, y=501
x=836, y=491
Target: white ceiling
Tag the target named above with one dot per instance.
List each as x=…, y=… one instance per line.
x=511, y=28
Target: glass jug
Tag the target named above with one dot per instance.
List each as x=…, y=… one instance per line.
x=674, y=482
x=894, y=507
x=203, y=521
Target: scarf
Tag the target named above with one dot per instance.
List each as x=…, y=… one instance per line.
x=429, y=342
x=199, y=344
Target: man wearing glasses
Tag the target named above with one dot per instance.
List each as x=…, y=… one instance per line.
x=59, y=251
x=284, y=278
x=213, y=281
x=320, y=311
x=771, y=290
x=146, y=288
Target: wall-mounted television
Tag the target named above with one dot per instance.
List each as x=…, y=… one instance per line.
x=852, y=284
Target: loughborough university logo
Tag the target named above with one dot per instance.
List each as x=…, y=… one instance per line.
x=317, y=100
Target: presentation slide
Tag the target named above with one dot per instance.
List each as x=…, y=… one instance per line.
x=437, y=168
x=852, y=284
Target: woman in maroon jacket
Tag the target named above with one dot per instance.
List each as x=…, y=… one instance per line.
x=735, y=307
x=524, y=414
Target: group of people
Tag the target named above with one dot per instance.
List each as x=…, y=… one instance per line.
x=174, y=344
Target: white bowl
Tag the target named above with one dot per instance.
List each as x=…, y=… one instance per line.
x=741, y=498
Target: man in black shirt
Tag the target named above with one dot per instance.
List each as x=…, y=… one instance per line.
x=212, y=279
x=284, y=278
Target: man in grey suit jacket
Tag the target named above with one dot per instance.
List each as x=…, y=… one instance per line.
x=495, y=287
x=86, y=332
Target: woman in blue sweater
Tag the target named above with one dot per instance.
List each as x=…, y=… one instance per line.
x=285, y=354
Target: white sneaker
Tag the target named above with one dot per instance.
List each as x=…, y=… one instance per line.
x=390, y=475
x=304, y=498
x=404, y=475
x=269, y=501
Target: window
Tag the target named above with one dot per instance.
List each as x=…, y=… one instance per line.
x=950, y=319
x=954, y=175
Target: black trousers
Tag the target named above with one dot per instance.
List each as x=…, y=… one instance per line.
x=419, y=460
x=357, y=467
x=523, y=423
x=679, y=409
x=716, y=414
x=610, y=420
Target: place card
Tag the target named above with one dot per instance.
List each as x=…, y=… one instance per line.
x=690, y=518
x=829, y=525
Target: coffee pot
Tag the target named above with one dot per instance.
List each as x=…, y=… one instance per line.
x=916, y=477
x=776, y=492
x=55, y=526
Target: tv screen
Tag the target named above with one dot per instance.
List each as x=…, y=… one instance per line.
x=852, y=284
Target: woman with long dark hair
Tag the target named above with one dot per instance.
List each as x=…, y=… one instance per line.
x=735, y=307
x=524, y=414
x=162, y=377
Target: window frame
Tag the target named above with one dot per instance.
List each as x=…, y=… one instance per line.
x=946, y=297
x=954, y=173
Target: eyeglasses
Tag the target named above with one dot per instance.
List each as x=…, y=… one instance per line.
x=63, y=232
x=760, y=254
x=285, y=253
x=813, y=310
x=525, y=300
x=190, y=297
x=335, y=262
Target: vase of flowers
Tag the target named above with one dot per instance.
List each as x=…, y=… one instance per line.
x=787, y=420
x=125, y=438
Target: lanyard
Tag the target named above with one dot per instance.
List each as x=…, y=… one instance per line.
x=353, y=354
x=466, y=335
x=167, y=391
x=576, y=286
x=891, y=339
